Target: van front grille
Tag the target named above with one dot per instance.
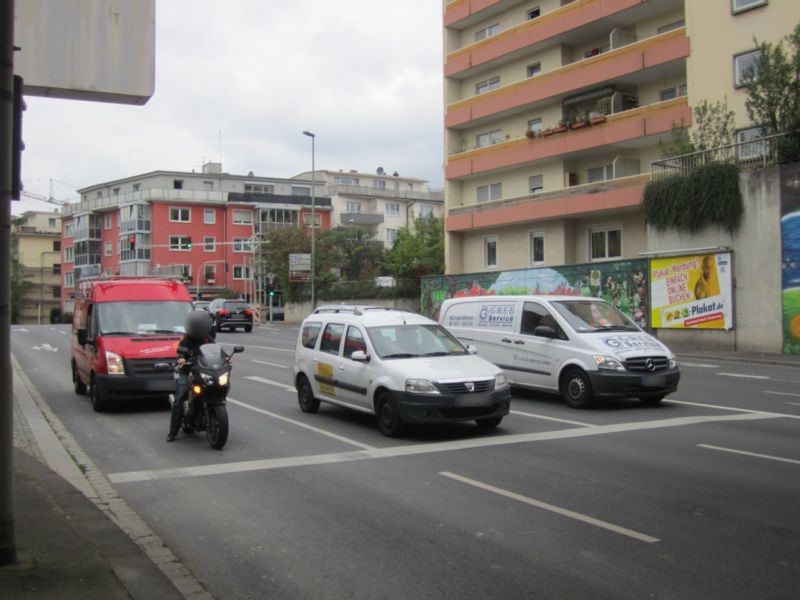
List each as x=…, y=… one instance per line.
x=463, y=387
x=145, y=367
x=647, y=364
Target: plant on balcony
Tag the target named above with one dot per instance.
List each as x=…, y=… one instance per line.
x=579, y=121
x=597, y=119
x=532, y=133
x=708, y=196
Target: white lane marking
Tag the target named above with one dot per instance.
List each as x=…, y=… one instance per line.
x=535, y=416
x=303, y=425
x=743, y=376
x=419, y=449
x=271, y=348
x=287, y=388
x=46, y=347
x=739, y=410
x=552, y=508
x=269, y=364
x=782, y=393
x=697, y=365
x=767, y=456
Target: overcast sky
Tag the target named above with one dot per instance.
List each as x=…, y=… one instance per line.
x=364, y=75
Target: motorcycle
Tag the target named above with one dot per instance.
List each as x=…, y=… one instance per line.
x=209, y=383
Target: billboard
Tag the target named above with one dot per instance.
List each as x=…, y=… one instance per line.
x=692, y=292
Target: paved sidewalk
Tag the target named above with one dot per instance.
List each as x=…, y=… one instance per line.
x=755, y=358
x=75, y=538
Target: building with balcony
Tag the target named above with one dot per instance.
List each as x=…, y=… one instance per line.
x=381, y=202
x=555, y=110
x=197, y=225
x=36, y=266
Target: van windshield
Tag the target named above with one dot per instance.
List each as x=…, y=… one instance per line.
x=141, y=317
x=589, y=316
x=411, y=341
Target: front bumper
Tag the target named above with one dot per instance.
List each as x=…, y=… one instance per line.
x=133, y=387
x=611, y=384
x=441, y=408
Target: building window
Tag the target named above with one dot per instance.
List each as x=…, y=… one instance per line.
x=489, y=31
x=301, y=190
x=493, y=191
x=393, y=208
x=69, y=279
x=69, y=229
x=209, y=244
x=109, y=248
x=209, y=216
x=603, y=173
x=353, y=207
x=108, y=221
x=536, y=183
x=745, y=67
x=56, y=245
x=671, y=26
x=69, y=254
x=533, y=70
x=177, y=184
x=242, y=245
x=210, y=273
x=242, y=217
x=182, y=243
x=425, y=211
x=391, y=236
x=56, y=291
x=137, y=187
x=743, y=5
x=490, y=252
x=673, y=92
x=99, y=194
x=379, y=184
x=752, y=145
x=487, y=85
x=208, y=186
x=56, y=268
x=180, y=215
x=537, y=247
x=533, y=13
x=307, y=220
x=254, y=188
x=605, y=242
x=51, y=222
x=345, y=180
x=535, y=125
x=241, y=271
x=488, y=138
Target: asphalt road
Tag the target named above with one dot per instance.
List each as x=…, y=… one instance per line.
x=696, y=498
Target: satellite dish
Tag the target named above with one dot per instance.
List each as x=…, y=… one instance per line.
x=380, y=171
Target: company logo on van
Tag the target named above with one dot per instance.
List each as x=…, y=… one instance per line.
x=496, y=315
x=631, y=343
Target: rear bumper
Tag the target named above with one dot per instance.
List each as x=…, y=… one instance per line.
x=610, y=384
x=441, y=408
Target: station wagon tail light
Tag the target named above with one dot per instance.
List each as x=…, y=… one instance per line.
x=224, y=312
x=114, y=363
x=249, y=311
x=500, y=381
x=608, y=363
x=420, y=386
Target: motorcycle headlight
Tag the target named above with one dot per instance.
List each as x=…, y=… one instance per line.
x=500, y=381
x=207, y=379
x=223, y=379
x=608, y=363
x=420, y=386
x=115, y=364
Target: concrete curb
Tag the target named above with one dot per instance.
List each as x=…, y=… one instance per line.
x=63, y=454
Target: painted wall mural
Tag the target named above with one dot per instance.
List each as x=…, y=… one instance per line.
x=623, y=283
x=790, y=263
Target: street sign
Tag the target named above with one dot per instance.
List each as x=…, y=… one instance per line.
x=299, y=267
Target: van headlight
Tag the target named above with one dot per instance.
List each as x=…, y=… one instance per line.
x=500, y=381
x=608, y=363
x=420, y=386
x=673, y=362
x=114, y=363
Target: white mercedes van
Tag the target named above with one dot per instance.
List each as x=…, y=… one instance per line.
x=582, y=348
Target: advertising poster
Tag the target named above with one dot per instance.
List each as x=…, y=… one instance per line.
x=692, y=292
x=790, y=260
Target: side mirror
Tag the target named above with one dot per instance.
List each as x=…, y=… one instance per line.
x=544, y=331
x=359, y=356
x=472, y=349
x=81, y=336
x=237, y=349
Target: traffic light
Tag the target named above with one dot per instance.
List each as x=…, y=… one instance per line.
x=189, y=242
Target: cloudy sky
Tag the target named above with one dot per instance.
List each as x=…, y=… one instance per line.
x=242, y=79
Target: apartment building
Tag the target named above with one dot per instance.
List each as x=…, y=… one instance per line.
x=555, y=109
x=381, y=201
x=200, y=225
x=36, y=266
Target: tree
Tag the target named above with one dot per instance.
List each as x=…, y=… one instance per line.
x=419, y=252
x=275, y=249
x=351, y=252
x=773, y=86
x=713, y=125
x=20, y=286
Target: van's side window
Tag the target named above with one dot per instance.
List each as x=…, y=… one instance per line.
x=354, y=341
x=91, y=323
x=310, y=334
x=533, y=315
x=331, y=338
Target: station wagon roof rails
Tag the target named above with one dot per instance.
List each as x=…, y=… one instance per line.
x=356, y=310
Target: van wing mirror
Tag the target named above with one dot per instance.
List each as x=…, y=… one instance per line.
x=81, y=336
x=471, y=349
x=544, y=331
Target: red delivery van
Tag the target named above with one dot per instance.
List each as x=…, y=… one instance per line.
x=122, y=327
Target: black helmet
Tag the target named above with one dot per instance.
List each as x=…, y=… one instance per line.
x=198, y=323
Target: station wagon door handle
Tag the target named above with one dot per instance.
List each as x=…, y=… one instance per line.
x=506, y=340
x=520, y=342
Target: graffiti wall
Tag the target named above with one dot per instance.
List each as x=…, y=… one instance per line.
x=623, y=283
x=790, y=259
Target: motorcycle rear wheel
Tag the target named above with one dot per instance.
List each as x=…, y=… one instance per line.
x=217, y=426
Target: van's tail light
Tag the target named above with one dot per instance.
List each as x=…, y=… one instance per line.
x=115, y=364
x=224, y=312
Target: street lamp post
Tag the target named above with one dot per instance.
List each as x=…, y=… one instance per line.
x=313, y=215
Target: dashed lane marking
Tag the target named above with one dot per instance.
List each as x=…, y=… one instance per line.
x=269, y=364
x=755, y=454
x=553, y=508
x=743, y=376
x=535, y=416
x=287, y=388
x=698, y=365
x=782, y=393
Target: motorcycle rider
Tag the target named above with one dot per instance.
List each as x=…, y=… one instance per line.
x=198, y=327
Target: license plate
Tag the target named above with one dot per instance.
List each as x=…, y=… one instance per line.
x=653, y=381
x=472, y=400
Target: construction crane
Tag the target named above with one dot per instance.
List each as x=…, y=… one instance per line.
x=42, y=198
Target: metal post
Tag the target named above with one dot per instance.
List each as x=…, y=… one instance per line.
x=313, y=215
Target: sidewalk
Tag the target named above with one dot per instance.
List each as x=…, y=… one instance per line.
x=74, y=538
x=754, y=358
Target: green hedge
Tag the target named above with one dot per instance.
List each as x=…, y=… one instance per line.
x=709, y=196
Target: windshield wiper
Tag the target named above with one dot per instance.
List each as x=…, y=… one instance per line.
x=401, y=355
x=614, y=328
x=438, y=353
x=119, y=333
x=160, y=331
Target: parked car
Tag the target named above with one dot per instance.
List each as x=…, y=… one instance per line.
x=398, y=365
x=231, y=314
x=202, y=305
x=582, y=348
